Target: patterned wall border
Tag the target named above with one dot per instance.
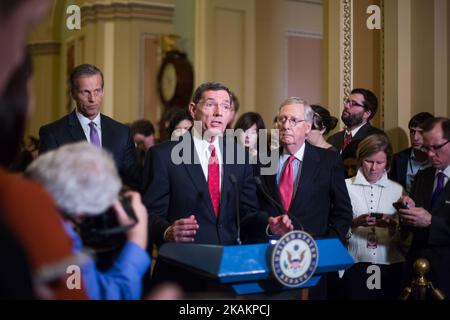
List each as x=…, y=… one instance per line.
x=382, y=66
x=44, y=48
x=347, y=46
x=127, y=10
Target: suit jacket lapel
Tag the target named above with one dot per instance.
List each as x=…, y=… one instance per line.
x=107, y=133
x=362, y=131
x=308, y=171
x=428, y=185
x=271, y=185
x=75, y=129
x=226, y=184
x=440, y=201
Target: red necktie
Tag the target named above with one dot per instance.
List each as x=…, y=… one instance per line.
x=347, y=140
x=214, y=179
x=287, y=184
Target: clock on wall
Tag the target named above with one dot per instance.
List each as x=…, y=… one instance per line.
x=175, y=80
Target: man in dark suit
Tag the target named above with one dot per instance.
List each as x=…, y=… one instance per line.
x=87, y=123
x=359, y=109
x=309, y=184
x=429, y=206
x=406, y=163
x=316, y=198
x=191, y=195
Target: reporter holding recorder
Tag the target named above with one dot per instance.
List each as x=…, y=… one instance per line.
x=84, y=182
x=374, y=238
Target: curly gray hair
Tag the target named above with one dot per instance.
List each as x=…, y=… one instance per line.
x=82, y=178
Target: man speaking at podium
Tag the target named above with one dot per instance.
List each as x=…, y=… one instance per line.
x=195, y=184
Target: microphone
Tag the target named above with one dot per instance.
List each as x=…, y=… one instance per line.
x=233, y=181
x=272, y=200
x=266, y=194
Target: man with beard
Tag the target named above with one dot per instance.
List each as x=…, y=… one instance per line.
x=359, y=108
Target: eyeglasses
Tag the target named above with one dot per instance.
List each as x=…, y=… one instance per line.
x=434, y=148
x=353, y=103
x=87, y=93
x=292, y=121
x=225, y=106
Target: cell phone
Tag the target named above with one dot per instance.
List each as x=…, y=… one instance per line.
x=400, y=205
x=376, y=215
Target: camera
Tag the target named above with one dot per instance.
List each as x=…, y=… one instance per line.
x=103, y=232
x=400, y=205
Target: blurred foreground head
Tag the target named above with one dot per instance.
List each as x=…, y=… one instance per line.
x=82, y=178
x=17, y=17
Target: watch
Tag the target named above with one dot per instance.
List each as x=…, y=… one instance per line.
x=175, y=80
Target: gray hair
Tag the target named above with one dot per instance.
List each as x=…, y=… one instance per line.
x=309, y=113
x=81, y=178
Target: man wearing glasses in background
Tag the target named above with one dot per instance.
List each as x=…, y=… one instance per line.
x=88, y=124
x=429, y=207
x=309, y=185
x=359, y=108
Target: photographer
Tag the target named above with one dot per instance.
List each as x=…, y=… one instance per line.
x=84, y=182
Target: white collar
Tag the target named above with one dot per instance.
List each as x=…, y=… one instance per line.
x=446, y=171
x=355, y=131
x=359, y=179
x=85, y=121
x=298, y=155
x=202, y=143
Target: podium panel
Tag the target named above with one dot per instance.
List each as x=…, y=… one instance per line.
x=247, y=268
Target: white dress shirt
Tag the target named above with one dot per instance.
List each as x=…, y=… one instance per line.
x=204, y=153
x=446, y=172
x=85, y=125
x=378, y=198
x=354, y=131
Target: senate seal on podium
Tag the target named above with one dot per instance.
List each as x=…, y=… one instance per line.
x=295, y=258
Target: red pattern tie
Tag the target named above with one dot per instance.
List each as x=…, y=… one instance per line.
x=214, y=179
x=287, y=184
x=347, y=140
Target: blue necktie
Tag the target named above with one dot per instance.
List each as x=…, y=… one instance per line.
x=93, y=134
x=439, y=188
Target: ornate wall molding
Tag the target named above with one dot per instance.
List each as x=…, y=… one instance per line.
x=382, y=65
x=44, y=48
x=99, y=11
x=347, y=47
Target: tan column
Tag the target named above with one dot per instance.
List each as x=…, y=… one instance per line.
x=397, y=72
x=338, y=54
x=270, y=58
x=440, y=57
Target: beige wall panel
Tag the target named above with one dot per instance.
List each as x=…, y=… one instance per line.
x=305, y=68
x=149, y=70
x=448, y=59
x=422, y=56
x=332, y=58
x=45, y=70
x=304, y=17
x=229, y=49
x=271, y=58
x=440, y=57
x=225, y=46
x=366, y=54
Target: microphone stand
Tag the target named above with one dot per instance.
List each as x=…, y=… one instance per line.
x=233, y=181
